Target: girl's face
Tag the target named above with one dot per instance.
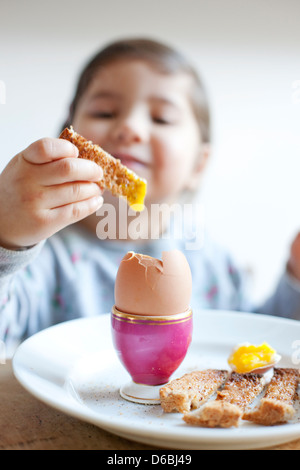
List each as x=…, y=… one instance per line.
x=145, y=119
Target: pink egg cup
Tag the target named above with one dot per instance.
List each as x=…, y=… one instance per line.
x=150, y=348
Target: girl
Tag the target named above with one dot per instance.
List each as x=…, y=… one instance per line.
x=143, y=103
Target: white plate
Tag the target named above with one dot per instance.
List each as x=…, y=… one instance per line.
x=73, y=367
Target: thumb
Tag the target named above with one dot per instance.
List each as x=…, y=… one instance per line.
x=48, y=149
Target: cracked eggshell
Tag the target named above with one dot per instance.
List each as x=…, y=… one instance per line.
x=149, y=286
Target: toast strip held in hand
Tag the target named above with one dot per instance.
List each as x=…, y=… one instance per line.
x=117, y=178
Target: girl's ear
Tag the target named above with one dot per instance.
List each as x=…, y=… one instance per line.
x=200, y=166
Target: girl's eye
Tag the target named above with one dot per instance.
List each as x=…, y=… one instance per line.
x=103, y=115
x=160, y=120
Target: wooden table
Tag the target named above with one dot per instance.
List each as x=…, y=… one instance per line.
x=28, y=424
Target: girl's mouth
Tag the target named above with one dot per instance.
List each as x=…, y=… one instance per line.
x=131, y=162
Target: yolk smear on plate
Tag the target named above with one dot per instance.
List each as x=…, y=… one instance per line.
x=248, y=357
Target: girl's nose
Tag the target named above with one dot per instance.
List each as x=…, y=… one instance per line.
x=131, y=129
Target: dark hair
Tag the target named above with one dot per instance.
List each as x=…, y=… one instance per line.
x=164, y=58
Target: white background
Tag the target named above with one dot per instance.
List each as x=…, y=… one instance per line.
x=248, y=54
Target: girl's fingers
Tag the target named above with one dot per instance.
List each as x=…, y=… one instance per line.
x=48, y=149
x=72, y=213
x=68, y=193
x=69, y=169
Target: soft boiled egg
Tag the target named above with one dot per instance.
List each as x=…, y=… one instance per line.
x=150, y=286
x=248, y=357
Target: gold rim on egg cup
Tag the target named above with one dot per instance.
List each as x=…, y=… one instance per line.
x=152, y=319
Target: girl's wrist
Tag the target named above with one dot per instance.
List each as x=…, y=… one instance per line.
x=292, y=270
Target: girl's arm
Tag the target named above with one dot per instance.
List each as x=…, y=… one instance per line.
x=42, y=190
x=24, y=290
x=293, y=265
x=285, y=302
x=230, y=289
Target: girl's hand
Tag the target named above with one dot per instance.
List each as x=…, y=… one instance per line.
x=294, y=260
x=43, y=189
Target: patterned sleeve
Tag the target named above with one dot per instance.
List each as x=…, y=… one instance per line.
x=21, y=289
x=229, y=287
x=285, y=302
